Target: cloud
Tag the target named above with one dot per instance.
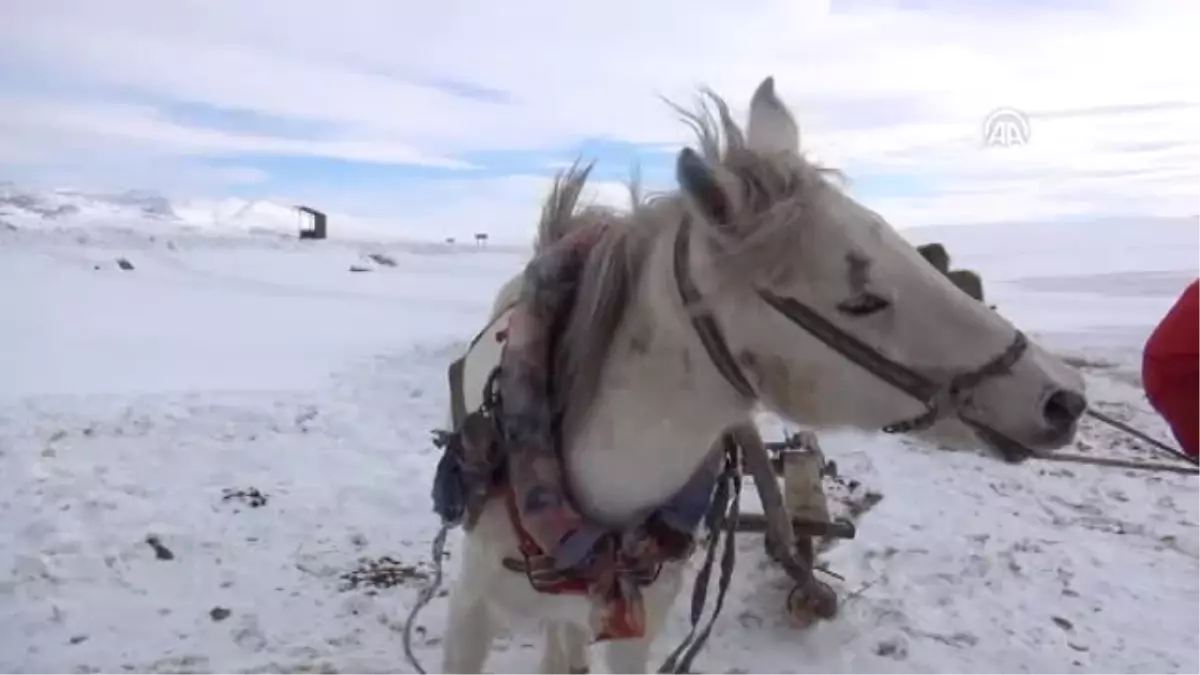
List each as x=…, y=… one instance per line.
x=471, y=103
x=145, y=126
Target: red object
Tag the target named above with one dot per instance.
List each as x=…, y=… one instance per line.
x=1170, y=370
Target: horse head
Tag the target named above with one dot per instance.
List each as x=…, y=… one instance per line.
x=832, y=319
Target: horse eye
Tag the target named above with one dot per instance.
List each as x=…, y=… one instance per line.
x=863, y=304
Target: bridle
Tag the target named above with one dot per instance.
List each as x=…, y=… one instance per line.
x=941, y=399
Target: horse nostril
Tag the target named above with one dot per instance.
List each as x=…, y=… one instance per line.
x=1063, y=408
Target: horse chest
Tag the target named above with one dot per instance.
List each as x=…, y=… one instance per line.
x=652, y=424
x=640, y=445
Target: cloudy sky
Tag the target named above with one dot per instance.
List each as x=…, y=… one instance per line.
x=448, y=116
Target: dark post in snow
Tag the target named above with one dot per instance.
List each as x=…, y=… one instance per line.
x=481, y=238
x=312, y=223
x=937, y=255
x=967, y=280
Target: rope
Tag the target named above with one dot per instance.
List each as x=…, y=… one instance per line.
x=1142, y=436
x=724, y=518
x=728, y=559
x=427, y=594
x=1119, y=463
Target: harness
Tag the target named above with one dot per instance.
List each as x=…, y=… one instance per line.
x=941, y=399
x=508, y=450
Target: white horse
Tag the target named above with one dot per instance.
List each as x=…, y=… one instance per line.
x=823, y=314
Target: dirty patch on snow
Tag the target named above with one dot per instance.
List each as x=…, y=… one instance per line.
x=233, y=532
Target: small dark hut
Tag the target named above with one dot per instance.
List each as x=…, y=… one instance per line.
x=312, y=223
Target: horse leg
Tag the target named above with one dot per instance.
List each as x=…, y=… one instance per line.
x=566, y=649
x=628, y=656
x=470, y=626
x=554, y=659
x=633, y=656
x=575, y=648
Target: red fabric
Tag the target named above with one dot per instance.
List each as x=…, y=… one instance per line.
x=1170, y=368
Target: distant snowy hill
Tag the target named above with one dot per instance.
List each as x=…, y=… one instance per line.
x=240, y=214
x=25, y=208
x=1044, y=247
x=22, y=206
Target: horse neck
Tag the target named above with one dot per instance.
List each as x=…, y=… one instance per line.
x=660, y=407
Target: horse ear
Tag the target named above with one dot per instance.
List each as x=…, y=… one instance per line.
x=772, y=127
x=701, y=184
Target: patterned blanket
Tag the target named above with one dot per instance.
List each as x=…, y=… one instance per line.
x=558, y=541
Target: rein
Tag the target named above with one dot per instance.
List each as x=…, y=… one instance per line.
x=940, y=399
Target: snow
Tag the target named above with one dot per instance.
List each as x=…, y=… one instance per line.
x=132, y=400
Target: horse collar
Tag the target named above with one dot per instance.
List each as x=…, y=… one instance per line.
x=940, y=399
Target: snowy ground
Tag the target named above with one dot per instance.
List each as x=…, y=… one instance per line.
x=131, y=401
